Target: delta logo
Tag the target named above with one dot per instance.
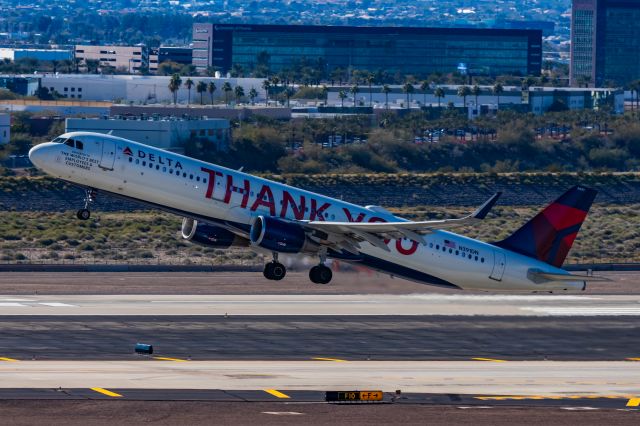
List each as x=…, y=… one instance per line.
x=153, y=158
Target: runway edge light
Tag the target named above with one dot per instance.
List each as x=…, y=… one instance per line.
x=354, y=396
x=143, y=348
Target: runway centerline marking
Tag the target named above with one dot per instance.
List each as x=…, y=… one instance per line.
x=11, y=305
x=633, y=402
x=57, y=305
x=8, y=359
x=106, y=392
x=164, y=358
x=277, y=394
x=328, y=359
x=489, y=359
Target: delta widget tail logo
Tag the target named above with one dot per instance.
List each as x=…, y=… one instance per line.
x=549, y=236
x=127, y=151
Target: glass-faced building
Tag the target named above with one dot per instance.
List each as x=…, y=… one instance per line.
x=416, y=51
x=605, y=42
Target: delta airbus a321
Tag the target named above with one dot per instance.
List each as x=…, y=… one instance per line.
x=223, y=208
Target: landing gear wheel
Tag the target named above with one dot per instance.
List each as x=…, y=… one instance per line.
x=83, y=214
x=320, y=274
x=274, y=271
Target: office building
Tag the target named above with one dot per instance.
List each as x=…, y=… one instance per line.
x=179, y=55
x=415, y=51
x=163, y=132
x=605, y=42
x=124, y=58
x=25, y=86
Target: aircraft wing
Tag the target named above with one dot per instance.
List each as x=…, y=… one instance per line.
x=348, y=235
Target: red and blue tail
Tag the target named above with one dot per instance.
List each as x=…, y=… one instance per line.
x=549, y=236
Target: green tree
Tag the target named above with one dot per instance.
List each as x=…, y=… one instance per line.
x=211, y=88
x=201, y=87
x=342, y=95
x=239, y=92
x=408, y=89
x=386, y=90
x=354, y=91
x=424, y=86
x=188, y=84
x=227, y=89
x=174, y=86
x=439, y=93
x=266, y=85
x=253, y=94
x=498, y=90
x=463, y=92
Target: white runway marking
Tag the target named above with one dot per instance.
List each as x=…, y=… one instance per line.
x=587, y=310
x=56, y=304
x=17, y=300
x=11, y=304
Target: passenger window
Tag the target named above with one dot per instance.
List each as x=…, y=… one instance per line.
x=437, y=246
x=137, y=161
x=191, y=177
x=144, y=164
x=130, y=159
x=157, y=167
x=170, y=171
x=204, y=181
x=482, y=260
x=79, y=145
x=198, y=178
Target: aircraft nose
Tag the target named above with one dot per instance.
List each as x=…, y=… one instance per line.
x=36, y=155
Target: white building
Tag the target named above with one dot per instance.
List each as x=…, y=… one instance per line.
x=162, y=132
x=139, y=89
x=39, y=54
x=5, y=128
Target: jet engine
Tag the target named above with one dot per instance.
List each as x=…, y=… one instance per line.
x=210, y=236
x=281, y=236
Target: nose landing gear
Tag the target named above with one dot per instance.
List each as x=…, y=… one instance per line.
x=274, y=270
x=90, y=197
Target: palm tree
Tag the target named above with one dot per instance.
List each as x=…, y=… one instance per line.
x=439, y=93
x=463, y=92
x=226, y=88
x=266, y=85
x=498, y=90
x=408, y=89
x=424, y=86
x=239, y=92
x=188, y=84
x=201, y=87
x=370, y=80
x=354, y=91
x=174, y=86
x=211, y=88
x=476, y=91
x=325, y=94
x=386, y=90
x=253, y=94
x=342, y=95
x=289, y=91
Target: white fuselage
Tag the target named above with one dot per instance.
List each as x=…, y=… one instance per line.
x=231, y=198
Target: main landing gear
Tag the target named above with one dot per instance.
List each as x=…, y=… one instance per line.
x=321, y=274
x=90, y=197
x=274, y=270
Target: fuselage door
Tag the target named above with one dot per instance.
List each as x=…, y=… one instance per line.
x=108, y=154
x=499, y=264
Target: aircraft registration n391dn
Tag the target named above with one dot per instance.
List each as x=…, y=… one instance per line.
x=223, y=208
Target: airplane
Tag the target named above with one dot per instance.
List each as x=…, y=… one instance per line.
x=225, y=208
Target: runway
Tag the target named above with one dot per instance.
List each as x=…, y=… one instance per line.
x=322, y=305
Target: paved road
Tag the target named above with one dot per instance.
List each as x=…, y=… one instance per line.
x=304, y=337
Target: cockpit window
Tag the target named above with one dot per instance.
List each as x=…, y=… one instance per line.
x=69, y=142
x=79, y=145
x=58, y=140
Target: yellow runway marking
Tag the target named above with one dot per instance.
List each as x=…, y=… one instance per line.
x=329, y=359
x=163, y=358
x=633, y=359
x=106, y=392
x=633, y=402
x=277, y=393
x=8, y=359
x=489, y=359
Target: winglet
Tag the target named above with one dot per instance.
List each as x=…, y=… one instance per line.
x=484, y=209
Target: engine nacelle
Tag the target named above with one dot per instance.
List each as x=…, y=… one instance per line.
x=280, y=236
x=210, y=236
